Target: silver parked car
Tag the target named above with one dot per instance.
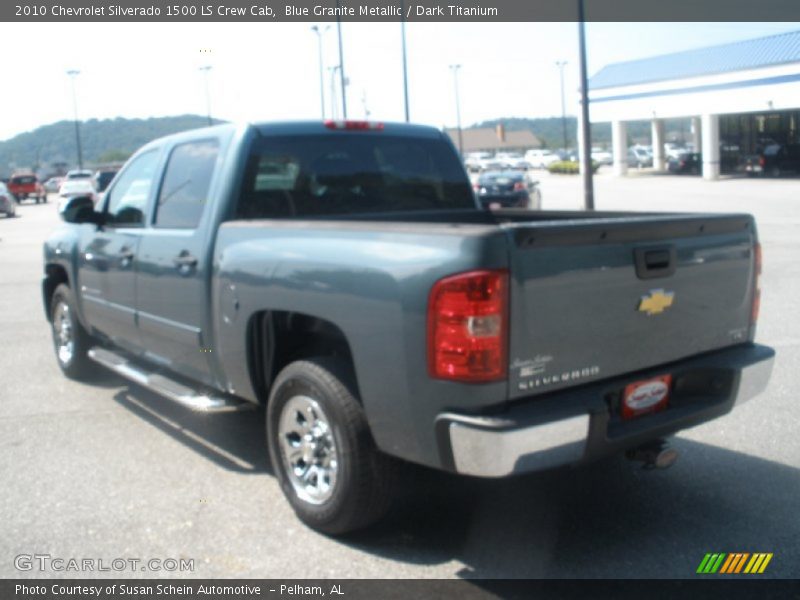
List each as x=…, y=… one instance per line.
x=8, y=204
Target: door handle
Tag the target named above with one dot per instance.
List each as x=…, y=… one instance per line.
x=125, y=257
x=185, y=263
x=185, y=260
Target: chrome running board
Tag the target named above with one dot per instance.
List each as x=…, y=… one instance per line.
x=166, y=387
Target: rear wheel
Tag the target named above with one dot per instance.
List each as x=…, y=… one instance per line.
x=70, y=340
x=321, y=449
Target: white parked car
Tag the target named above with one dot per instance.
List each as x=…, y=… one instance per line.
x=491, y=163
x=512, y=160
x=541, y=159
x=602, y=157
x=672, y=150
x=639, y=157
x=75, y=187
x=473, y=160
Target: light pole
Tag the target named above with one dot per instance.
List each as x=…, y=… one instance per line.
x=205, y=69
x=586, y=126
x=341, y=61
x=454, y=69
x=333, y=90
x=405, y=62
x=561, y=64
x=73, y=73
x=320, y=33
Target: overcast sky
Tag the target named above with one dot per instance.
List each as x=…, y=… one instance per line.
x=270, y=71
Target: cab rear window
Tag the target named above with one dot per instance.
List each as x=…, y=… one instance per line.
x=351, y=173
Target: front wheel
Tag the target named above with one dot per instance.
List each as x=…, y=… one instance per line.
x=70, y=340
x=322, y=451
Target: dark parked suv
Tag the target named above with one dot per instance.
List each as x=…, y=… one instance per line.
x=775, y=160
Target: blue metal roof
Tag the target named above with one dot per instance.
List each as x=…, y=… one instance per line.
x=736, y=56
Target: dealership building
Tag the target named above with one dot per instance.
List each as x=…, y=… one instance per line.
x=735, y=98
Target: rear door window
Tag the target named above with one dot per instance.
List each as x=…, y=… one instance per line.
x=184, y=191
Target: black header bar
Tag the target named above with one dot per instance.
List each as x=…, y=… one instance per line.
x=274, y=11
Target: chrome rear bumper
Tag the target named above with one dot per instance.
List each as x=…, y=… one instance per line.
x=534, y=440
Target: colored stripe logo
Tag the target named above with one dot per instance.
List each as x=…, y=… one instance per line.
x=734, y=563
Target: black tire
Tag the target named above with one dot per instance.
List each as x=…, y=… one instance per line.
x=75, y=364
x=364, y=480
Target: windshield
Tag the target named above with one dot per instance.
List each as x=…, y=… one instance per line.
x=342, y=173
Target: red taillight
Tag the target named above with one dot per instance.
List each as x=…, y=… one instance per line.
x=762, y=161
x=519, y=186
x=353, y=125
x=468, y=327
x=757, y=283
x=476, y=187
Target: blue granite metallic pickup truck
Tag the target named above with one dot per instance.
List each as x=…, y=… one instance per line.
x=343, y=275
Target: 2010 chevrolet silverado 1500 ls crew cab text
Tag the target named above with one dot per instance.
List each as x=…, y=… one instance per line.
x=342, y=274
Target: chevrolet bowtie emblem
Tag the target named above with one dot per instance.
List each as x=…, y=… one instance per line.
x=656, y=302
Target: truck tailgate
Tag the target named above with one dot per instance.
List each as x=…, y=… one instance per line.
x=595, y=298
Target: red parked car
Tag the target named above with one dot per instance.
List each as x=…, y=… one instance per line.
x=27, y=185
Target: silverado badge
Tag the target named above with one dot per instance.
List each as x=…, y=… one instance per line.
x=656, y=302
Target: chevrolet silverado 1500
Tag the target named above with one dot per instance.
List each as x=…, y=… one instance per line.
x=343, y=274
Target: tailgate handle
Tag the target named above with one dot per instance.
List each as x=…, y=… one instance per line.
x=655, y=262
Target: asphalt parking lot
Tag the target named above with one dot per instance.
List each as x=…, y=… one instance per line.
x=107, y=470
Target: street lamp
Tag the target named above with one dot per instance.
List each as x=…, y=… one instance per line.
x=73, y=73
x=405, y=63
x=320, y=33
x=454, y=69
x=586, y=126
x=341, y=61
x=333, y=71
x=561, y=64
x=205, y=69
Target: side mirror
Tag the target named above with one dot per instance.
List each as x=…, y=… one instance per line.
x=80, y=209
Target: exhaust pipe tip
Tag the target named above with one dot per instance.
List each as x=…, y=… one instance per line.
x=654, y=455
x=666, y=458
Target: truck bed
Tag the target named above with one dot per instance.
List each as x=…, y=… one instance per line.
x=581, y=283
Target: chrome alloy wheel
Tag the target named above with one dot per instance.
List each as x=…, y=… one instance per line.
x=62, y=333
x=308, y=449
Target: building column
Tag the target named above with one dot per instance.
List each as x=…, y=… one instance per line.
x=657, y=129
x=696, y=138
x=710, y=144
x=619, y=147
